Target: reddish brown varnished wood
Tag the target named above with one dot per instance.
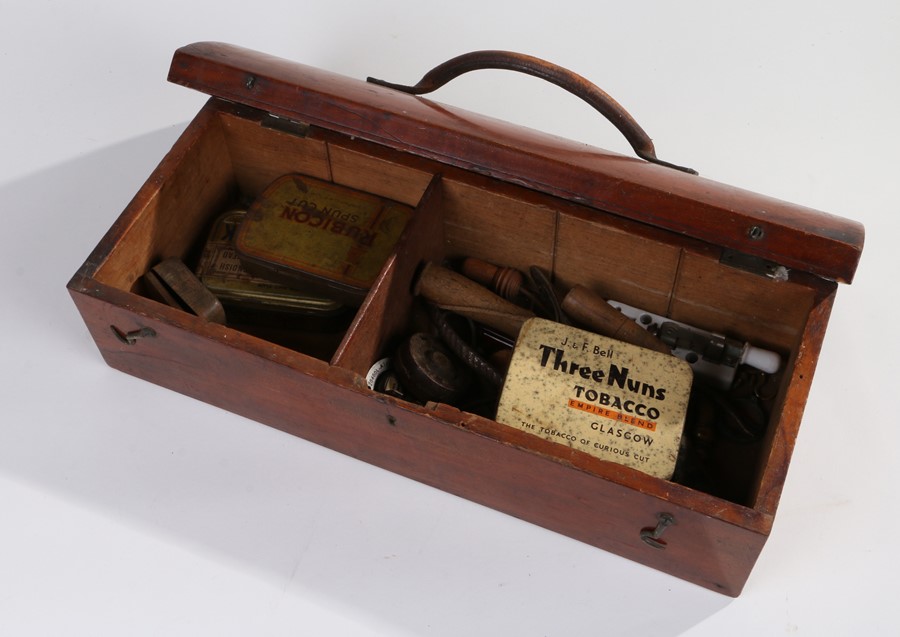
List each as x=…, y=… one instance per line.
x=442, y=448
x=464, y=173
x=782, y=438
x=791, y=235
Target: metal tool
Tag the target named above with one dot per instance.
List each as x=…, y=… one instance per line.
x=173, y=283
x=711, y=355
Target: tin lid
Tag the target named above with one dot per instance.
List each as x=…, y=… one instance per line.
x=627, y=404
x=221, y=271
x=786, y=234
x=306, y=232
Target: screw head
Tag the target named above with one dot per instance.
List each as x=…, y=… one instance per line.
x=756, y=233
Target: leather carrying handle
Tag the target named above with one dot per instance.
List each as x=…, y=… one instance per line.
x=598, y=99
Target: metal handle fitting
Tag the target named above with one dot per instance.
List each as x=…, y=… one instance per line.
x=651, y=535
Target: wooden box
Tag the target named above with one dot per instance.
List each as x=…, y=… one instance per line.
x=672, y=243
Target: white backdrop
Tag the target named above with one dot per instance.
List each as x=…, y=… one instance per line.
x=128, y=509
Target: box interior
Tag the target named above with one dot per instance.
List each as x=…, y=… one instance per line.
x=237, y=153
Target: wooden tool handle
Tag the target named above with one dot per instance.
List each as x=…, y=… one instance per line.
x=591, y=310
x=507, y=282
x=455, y=293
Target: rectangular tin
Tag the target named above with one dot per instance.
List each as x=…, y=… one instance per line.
x=613, y=400
x=221, y=271
x=306, y=232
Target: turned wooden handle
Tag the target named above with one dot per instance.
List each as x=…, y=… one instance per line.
x=507, y=282
x=455, y=293
x=591, y=310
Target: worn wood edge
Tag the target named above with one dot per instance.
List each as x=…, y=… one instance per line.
x=730, y=512
x=733, y=561
x=777, y=462
x=829, y=246
x=144, y=196
x=145, y=309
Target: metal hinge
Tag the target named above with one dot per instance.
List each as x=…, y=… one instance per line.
x=285, y=125
x=755, y=265
x=267, y=119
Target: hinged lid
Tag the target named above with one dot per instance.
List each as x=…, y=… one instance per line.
x=790, y=235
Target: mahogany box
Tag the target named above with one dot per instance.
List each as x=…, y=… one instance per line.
x=637, y=230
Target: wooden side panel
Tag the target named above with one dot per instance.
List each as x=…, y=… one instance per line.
x=260, y=155
x=385, y=315
x=477, y=219
x=615, y=262
x=309, y=399
x=783, y=434
x=193, y=181
x=735, y=303
x=377, y=175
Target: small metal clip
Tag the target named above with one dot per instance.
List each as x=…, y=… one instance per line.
x=753, y=264
x=132, y=337
x=651, y=535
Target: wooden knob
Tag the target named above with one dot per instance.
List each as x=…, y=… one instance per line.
x=507, y=282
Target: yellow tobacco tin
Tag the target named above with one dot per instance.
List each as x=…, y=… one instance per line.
x=615, y=401
x=302, y=231
x=221, y=271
